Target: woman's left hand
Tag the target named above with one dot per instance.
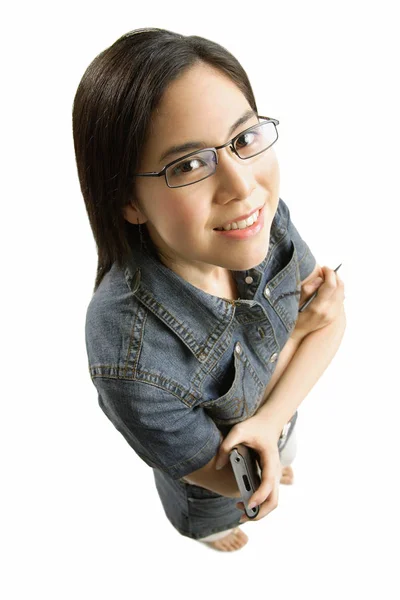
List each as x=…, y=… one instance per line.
x=263, y=438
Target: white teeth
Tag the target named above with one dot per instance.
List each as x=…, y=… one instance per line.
x=250, y=220
x=241, y=224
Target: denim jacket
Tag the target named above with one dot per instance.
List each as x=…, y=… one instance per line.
x=173, y=366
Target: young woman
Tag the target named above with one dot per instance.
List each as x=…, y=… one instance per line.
x=193, y=334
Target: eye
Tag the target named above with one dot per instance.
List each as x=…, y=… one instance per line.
x=188, y=166
x=246, y=139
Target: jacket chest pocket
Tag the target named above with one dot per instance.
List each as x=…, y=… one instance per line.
x=283, y=285
x=242, y=398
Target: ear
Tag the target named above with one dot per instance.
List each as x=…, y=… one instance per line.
x=133, y=215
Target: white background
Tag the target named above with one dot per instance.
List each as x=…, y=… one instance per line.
x=81, y=516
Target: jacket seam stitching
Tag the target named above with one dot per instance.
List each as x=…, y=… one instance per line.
x=145, y=382
x=132, y=336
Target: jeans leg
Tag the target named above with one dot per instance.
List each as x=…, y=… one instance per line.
x=216, y=536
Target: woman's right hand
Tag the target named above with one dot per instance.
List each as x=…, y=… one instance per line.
x=325, y=307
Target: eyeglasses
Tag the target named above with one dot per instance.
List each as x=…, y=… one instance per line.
x=200, y=164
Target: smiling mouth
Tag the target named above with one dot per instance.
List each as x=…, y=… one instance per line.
x=243, y=224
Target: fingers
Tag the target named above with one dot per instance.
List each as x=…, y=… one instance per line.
x=332, y=284
x=329, y=278
x=265, y=508
x=332, y=276
x=266, y=497
x=339, y=287
x=309, y=288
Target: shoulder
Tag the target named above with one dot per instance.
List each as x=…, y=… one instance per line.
x=110, y=299
x=127, y=339
x=109, y=318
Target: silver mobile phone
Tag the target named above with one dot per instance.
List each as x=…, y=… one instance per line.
x=247, y=473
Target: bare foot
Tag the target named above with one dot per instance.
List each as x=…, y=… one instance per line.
x=287, y=475
x=237, y=538
x=233, y=541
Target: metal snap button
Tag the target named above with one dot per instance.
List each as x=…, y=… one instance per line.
x=238, y=348
x=261, y=332
x=274, y=356
x=249, y=279
x=267, y=291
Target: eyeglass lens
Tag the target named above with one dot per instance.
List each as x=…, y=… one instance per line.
x=203, y=164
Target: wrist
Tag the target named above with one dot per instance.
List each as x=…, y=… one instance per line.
x=272, y=428
x=298, y=335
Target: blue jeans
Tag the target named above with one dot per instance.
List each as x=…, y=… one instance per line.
x=199, y=513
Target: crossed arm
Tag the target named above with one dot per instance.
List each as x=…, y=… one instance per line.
x=300, y=365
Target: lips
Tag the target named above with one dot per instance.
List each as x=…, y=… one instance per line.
x=240, y=222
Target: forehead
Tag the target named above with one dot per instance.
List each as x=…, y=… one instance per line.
x=201, y=105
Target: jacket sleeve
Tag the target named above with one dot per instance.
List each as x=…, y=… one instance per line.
x=307, y=260
x=165, y=433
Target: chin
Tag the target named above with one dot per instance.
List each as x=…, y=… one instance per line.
x=245, y=264
x=250, y=260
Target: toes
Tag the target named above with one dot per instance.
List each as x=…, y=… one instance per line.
x=287, y=475
x=286, y=480
x=228, y=545
x=237, y=544
x=239, y=539
x=234, y=544
x=233, y=541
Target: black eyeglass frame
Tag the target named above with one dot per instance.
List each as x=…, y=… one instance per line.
x=231, y=143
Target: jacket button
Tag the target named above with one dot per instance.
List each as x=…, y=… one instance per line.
x=267, y=292
x=238, y=348
x=248, y=279
x=274, y=356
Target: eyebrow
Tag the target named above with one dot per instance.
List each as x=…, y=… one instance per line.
x=180, y=148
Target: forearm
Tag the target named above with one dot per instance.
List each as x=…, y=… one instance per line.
x=285, y=356
x=300, y=365
x=301, y=372
x=222, y=482
x=287, y=388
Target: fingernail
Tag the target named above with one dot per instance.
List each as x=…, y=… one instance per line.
x=252, y=505
x=218, y=466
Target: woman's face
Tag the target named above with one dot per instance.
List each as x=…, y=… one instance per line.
x=202, y=105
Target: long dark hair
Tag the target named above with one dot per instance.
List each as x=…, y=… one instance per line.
x=111, y=113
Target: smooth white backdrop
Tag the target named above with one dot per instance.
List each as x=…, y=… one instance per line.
x=80, y=514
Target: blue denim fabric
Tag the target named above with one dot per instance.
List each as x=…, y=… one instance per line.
x=175, y=368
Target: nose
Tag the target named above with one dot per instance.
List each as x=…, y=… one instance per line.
x=234, y=176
